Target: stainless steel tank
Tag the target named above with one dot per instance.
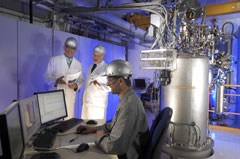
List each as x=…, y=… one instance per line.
x=187, y=95
x=219, y=105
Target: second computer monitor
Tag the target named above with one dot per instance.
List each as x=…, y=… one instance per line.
x=11, y=133
x=0, y=148
x=30, y=119
x=139, y=83
x=52, y=105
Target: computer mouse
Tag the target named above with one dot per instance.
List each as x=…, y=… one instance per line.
x=82, y=147
x=80, y=129
x=92, y=122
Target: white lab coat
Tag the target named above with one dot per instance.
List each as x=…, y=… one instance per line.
x=58, y=67
x=95, y=99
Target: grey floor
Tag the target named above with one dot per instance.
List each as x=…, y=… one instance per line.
x=226, y=144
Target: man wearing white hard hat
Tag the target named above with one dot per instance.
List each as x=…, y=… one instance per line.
x=62, y=66
x=95, y=96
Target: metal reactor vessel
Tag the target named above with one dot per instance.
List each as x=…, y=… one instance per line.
x=183, y=53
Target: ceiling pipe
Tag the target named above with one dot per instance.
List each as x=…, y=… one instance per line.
x=19, y=15
x=119, y=23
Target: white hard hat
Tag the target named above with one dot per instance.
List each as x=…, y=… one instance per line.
x=119, y=68
x=71, y=42
x=100, y=49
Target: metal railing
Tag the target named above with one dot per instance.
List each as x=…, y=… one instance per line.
x=232, y=113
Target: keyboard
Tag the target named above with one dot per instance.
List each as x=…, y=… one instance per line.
x=48, y=155
x=67, y=124
x=45, y=139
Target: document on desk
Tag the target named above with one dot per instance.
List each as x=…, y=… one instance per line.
x=70, y=79
x=89, y=138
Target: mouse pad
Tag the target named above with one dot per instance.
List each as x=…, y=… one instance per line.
x=90, y=138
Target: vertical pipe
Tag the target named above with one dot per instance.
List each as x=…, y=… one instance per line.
x=238, y=88
x=52, y=31
x=30, y=12
x=18, y=79
x=99, y=2
x=126, y=53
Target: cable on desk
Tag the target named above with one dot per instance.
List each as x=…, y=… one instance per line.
x=73, y=139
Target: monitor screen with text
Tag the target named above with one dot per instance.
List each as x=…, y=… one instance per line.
x=52, y=105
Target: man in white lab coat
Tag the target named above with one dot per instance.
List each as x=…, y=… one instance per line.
x=95, y=96
x=59, y=70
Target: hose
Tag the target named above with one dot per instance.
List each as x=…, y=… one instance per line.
x=231, y=25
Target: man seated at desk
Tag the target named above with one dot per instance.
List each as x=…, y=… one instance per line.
x=128, y=132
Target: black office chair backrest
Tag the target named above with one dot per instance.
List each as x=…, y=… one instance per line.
x=158, y=132
x=149, y=88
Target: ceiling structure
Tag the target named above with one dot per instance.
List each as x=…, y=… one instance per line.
x=100, y=19
x=104, y=20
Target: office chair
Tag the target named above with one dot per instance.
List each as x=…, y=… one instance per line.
x=157, y=134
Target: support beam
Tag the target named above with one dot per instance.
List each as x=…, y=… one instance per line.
x=223, y=8
x=112, y=9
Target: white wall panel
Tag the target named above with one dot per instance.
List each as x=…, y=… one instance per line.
x=34, y=51
x=118, y=52
x=8, y=61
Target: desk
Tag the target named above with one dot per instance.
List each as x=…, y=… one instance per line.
x=62, y=139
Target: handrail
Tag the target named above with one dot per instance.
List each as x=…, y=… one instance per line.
x=223, y=127
x=226, y=112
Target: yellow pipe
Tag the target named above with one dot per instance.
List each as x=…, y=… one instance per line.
x=228, y=94
x=232, y=95
x=222, y=8
x=229, y=85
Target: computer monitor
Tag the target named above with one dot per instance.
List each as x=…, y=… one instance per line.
x=30, y=119
x=139, y=83
x=52, y=106
x=11, y=132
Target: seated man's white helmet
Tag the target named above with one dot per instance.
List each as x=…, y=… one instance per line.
x=119, y=68
x=71, y=42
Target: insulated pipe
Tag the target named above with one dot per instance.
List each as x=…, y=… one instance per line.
x=122, y=24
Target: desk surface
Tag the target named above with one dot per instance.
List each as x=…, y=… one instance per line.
x=67, y=150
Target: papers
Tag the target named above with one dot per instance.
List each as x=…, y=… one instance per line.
x=88, y=138
x=70, y=79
